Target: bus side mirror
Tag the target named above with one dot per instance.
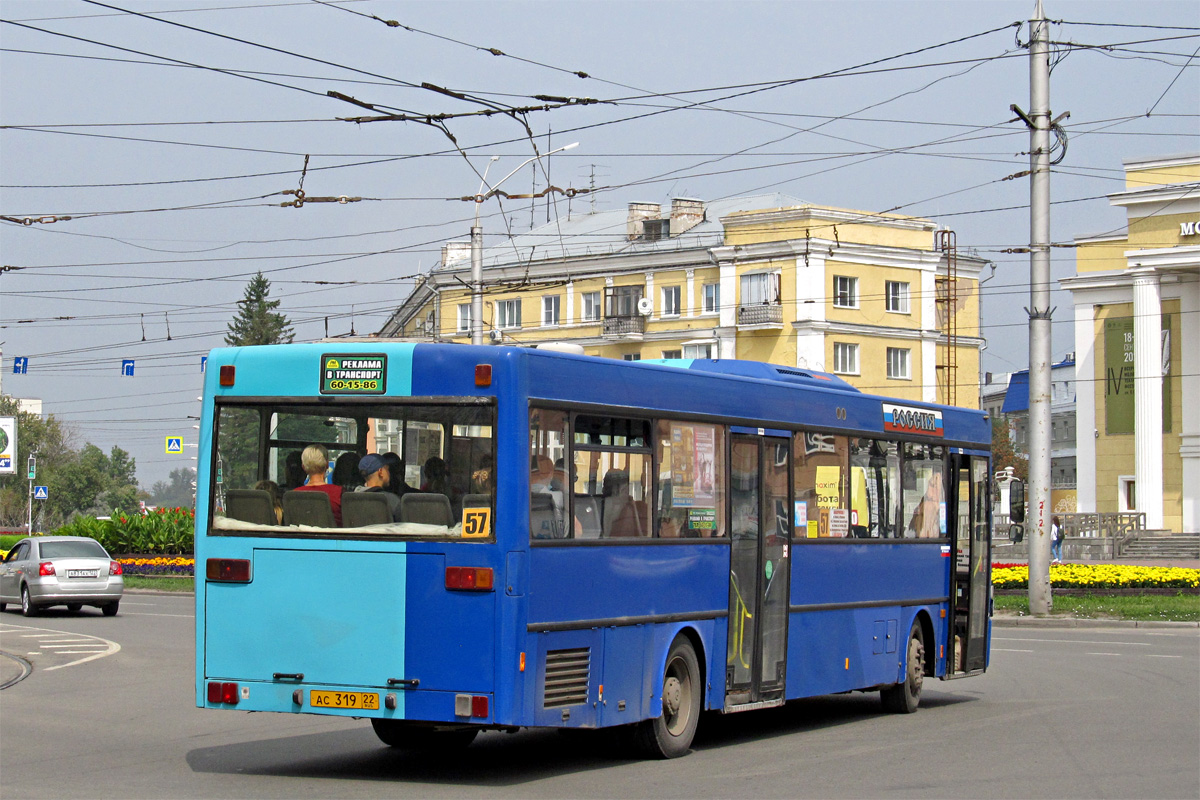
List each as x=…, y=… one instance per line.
x=1016, y=501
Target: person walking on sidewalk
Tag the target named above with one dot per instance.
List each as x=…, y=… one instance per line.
x=1056, y=540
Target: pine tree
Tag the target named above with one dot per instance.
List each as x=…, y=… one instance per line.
x=256, y=321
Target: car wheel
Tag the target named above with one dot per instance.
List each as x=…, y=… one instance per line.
x=27, y=606
x=74, y=606
x=110, y=609
x=2, y=607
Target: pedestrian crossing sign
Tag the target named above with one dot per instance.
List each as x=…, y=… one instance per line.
x=174, y=444
x=40, y=493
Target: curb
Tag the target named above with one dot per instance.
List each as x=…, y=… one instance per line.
x=1068, y=622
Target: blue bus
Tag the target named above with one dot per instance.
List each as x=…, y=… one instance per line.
x=578, y=542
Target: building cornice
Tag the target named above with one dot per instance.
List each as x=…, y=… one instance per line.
x=776, y=216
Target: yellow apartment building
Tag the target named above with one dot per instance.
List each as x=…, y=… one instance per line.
x=1137, y=323
x=885, y=301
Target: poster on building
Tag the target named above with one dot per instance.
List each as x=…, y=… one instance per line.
x=8, y=445
x=1118, y=375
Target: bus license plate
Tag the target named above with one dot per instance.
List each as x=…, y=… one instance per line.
x=360, y=700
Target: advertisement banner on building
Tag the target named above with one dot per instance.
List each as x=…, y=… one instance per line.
x=8, y=445
x=1118, y=374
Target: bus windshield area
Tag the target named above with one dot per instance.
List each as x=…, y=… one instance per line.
x=322, y=469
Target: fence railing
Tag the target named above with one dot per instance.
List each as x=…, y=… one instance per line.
x=1090, y=525
x=622, y=325
x=759, y=314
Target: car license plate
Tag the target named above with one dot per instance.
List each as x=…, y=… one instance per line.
x=361, y=700
x=82, y=573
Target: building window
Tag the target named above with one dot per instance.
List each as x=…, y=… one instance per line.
x=761, y=288
x=712, y=298
x=845, y=358
x=464, y=317
x=697, y=351
x=623, y=301
x=845, y=292
x=672, y=354
x=896, y=293
x=632, y=356
x=591, y=306
x=550, y=305
x=897, y=364
x=670, y=301
x=508, y=313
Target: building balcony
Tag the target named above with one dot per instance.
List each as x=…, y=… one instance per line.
x=762, y=314
x=625, y=325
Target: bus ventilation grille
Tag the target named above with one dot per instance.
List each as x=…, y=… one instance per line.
x=567, y=674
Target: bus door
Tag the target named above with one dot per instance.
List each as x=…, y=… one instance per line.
x=758, y=579
x=971, y=575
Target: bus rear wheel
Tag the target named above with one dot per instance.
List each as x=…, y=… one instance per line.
x=904, y=697
x=414, y=736
x=670, y=734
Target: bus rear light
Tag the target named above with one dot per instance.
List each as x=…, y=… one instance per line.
x=468, y=705
x=114, y=568
x=228, y=570
x=223, y=693
x=470, y=579
x=228, y=373
x=46, y=568
x=483, y=374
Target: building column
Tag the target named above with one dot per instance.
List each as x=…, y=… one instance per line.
x=1147, y=394
x=569, y=316
x=1085, y=408
x=1189, y=372
x=689, y=305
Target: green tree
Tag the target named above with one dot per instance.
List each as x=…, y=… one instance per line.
x=1004, y=454
x=178, y=493
x=91, y=482
x=51, y=440
x=257, y=321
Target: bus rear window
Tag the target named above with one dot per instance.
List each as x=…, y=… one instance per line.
x=323, y=469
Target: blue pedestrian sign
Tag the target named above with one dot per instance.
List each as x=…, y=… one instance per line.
x=203, y=362
x=127, y=367
x=20, y=365
x=40, y=493
x=174, y=444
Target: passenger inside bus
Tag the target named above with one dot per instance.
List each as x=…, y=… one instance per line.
x=272, y=489
x=376, y=479
x=345, y=471
x=315, y=460
x=397, y=485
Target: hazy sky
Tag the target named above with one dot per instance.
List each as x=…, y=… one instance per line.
x=170, y=148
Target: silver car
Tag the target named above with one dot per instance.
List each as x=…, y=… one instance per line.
x=60, y=570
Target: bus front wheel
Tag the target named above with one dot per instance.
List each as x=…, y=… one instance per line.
x=670, y=734
x=411, y=736
x=904, y=697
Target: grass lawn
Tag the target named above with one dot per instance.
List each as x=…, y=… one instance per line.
x=160, y=584
x=1179, y=608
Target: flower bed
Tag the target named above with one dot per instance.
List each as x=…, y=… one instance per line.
x=1100, y=577
x=159, y=567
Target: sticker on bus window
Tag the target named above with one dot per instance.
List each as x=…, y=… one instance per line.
x=353, y=373
x=702, y=519
x=801, y=514
x=476, y=523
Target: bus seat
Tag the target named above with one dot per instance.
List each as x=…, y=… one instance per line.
x=426, y=507
x=250, y=505
x=630, y=519
x=365, y=508
x=307, y=508
x=477, y=501
x=587, y=511
x=545, y=522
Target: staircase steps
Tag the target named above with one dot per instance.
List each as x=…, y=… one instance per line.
x=1168, y=547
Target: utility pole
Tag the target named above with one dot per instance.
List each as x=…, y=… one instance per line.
x=1037, y=537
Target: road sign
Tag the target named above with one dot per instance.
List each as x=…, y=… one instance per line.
x=174, y=444
x=203, y=363
x=20, y=365
x=40, y=493
x=127, y=367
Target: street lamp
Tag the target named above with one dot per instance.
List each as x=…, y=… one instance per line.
x=477, y=241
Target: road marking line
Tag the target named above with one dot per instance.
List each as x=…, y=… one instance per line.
x=1155, y=655
x=111, y=648
x=1104, y=654
x=141, y=614
x=1009, y=650
x=1067, y=641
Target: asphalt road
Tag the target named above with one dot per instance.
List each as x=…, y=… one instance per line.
x=1098, y=712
